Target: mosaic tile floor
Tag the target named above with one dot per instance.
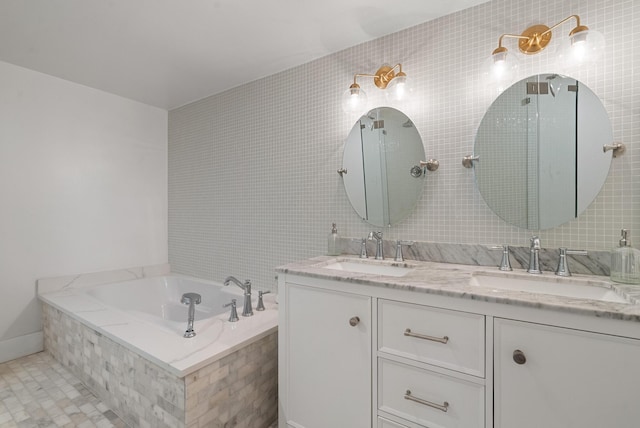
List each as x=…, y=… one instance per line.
x=36, y=391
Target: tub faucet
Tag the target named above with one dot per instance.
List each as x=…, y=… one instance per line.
x=378, y=237
x=191, y=299
x=247, y=311
x=534, y=256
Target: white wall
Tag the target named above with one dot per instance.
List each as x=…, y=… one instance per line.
x=83, y=187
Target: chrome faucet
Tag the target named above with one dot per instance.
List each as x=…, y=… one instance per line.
x=247, y=311
x=378, y=237
x=534, y=256
x=191, y=299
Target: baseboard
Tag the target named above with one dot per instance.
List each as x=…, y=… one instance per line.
x=20, y=346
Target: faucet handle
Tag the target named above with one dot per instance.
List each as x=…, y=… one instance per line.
x=399, y=257
x=535, y=242
x=233, y=317
x=375, y=235
x=260, y=306
x=505, y=262
x=563, y=265
x=363, y=249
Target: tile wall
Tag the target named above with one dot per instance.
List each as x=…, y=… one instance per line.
x=252, y=171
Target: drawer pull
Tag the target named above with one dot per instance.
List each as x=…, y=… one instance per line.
x=443, y=407
x=354, y=321
x=444, y=339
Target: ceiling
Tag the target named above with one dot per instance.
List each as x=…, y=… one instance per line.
x=167, y=53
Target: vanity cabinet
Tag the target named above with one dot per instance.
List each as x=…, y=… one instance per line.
x=327, y=348
x=356, y=355
x=553, y=377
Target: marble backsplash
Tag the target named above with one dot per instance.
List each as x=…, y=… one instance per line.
x=594, y=263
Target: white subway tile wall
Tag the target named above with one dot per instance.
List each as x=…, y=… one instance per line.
x=252, y=171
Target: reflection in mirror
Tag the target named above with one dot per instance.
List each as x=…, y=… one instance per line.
x=540, y=147
x=382, y=157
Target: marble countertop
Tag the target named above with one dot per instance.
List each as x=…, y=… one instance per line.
x=455, y=280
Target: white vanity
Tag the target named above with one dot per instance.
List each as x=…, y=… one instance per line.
x=429, y=347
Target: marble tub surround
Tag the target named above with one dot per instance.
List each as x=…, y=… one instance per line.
x=165, y=348
x=594, y=263
x=239, y=389
x=148, y=373
x=453, y=280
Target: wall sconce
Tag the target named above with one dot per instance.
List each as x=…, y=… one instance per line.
x=583, y=46
x=398, y=88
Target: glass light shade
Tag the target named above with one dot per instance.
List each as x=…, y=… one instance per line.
x=399, y=89
x=500, y=68
x=354, y=100
x=582, y=48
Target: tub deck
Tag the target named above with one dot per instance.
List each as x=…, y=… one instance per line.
x=163, y=344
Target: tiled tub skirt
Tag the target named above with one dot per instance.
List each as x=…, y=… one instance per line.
x=239, y=390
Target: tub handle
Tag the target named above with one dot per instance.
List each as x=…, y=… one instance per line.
x=260, y=306
x=233, y=317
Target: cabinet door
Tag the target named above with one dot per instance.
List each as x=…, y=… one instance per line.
x=564, y=378
x=329, y=359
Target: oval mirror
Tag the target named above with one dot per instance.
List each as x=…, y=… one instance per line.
x=383, y=177
x=540, y=148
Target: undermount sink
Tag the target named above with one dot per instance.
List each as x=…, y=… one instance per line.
x=566, y=287
x=371, y=268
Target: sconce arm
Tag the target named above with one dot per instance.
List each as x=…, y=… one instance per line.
x=512, y=36
x=355, y=76
x=538, y=36
x=567, y=19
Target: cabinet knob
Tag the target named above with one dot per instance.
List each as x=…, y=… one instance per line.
x=353, y=321
x=519, y=357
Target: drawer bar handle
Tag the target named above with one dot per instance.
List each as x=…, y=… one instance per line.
x=443, y=407
x=444, y=339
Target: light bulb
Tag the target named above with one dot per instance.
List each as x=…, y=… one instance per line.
x=354, y=99
x=399, y=88
x=500, y=68
x=581, y=48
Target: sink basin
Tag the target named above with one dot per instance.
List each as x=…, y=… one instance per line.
x=370, y=268
x=566, y=287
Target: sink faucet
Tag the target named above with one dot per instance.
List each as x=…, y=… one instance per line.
x=534, y=256
x=378, y=237
x=247, y=311
x=191, y=299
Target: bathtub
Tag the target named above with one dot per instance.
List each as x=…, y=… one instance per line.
x=157, y=301
x=125, y=342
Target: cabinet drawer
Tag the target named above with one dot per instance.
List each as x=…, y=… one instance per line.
x=427, y=329
x=386, y=423
x=406, y=392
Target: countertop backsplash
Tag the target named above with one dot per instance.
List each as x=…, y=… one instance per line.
x=594, y=263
